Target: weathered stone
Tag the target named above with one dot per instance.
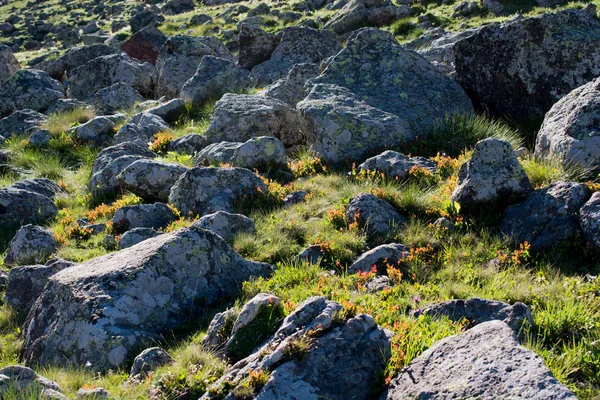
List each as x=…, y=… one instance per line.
x=263, y=152
x=394, y=164
x=312, y=255
x=380, y=258
x=155, y=216
x=19, y=379
x=256, y=46
x=219, y=329
x=117, y=97
x=170, y=111
x=65, y=105
x=149, y=179
x=188, y=144
x=93, y=394
x=144, y=18
x=43, y=186
x=31, y=89
x=98, y=131
x=590, y=219
x=291, y=89
x=145, y=44
x=21, y=123
x=295, y=198
x=31, y=245
x=78, y=56
x=131, y=133
x=135, y=236
x=174, y=7
x=359, y=13
x=375, y=215
x=40, y=138
x=19, y=207
x=148, y=361
x=8, y=63
x=226, y=225
x=82, y=316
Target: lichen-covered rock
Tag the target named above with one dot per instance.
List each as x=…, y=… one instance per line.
x=256, y=46
x=374, y=215
x=131, y=133
x=21, y=123
x=98, y=131
x=23, y=380
x=226, y=225
x=151, y=180
x=149, y=124
x=135, y=236
x=438, y=47
x=339, y=360
x=32, y=244
x=492, y=178
x=75, y=57
x=170, y=111
x=19, y=207
x=155, y=216
x=83, y=316
x=148, y=361
x=117, y=97
x=43, y=186
x=174, y=7
x=486, y=362
x=201, y=191
x=312, y=255
x=8, y=63
x=240, y=117
x=298, y=45
x=178, y=61
x=189, y=144
x=534, y=62
x=145, y=44
x=258, y=153
x=31, y=89
x=380, y=258
x=394, y=164
x=290, y=89
x=219, y=329
x=359, y=13
x=477, y=311
x=40, y=138
x=590, y=219
x=548, y=217
x=295, y=197
x=93, y=394
x=571, y=129
x=145, y=17
x=214, y=77
x=105, y=71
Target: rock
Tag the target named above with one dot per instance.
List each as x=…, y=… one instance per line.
x=82, y=316
x=394, y=164
x=485, y=361
x=19, y=379
x=8, y=63
x=105, y=71
x=155, y=216
x=375, y=215
x=149, y=124
x=312, y=255
x=144, y=18
x=174, y=7
x=21, y=123
x=348, y=118
x=298, y=45
x=118, y=97
x=571, y=129
x=40, y=138
x=98, y=131
x=359, y=13
x=31, y=89
x=378, y=283
x=548, y=217
x=202, y=191
x=93, y=394
x=131, y=133
x=256, y=46
x=491, y=179
x=200, y=19
x=295, y=198
x=219, y=329
x=170, y=111
x=336, y=361
x=226, y=225
x=535, y=62
x=260, y=153
x=188, y=144
x=290, y=89
x=76, y=57
x=151, y=180
x=135, y=236
x=380, y=258
x=65, y=105
x=178, y=61
x=443, y=224
x=43, y=186
x=466, y=9
x=19, y=207
x=240, y=117
x=477, y=311
x=145, y=44
x=258, y=319
x=148, y=361
x=213, y=78
x=3, y=280
x=91, y=27
x=590, y=219
x=32, y=244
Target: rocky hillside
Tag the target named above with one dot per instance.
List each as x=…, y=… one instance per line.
x=313, y=199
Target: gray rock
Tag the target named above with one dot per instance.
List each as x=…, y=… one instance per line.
x=200, y=19
x=548, y=217
x=295, y=198
x=76, y=57
x=3, y=280
x=226, y=225
x=375, y=215
x=311, y=255
x=21, y=123
x=151, y=180
x=260, y=153
x=394, y=164
x=98, y=131
x=40, y=138
x=82, y=316
x=443, y=224
x=105, y=71
x=144, y=18
x=290, y=89
x=148, y=361
x=155, y=216
x=32, y=244
x=31, y=89
x=170, y=111
x=43, y=186
x=149, y=124
x=174, y=7
x=189, y=144
x=571, y=129
x=238, y=118
x=213, y=78
x=359, y=13
x=179, y=59
x=131, y=133
x=65, y=105
x=117, y=97
x=19, y=379
x=378, y=283
x=535, y=62
x=202, y=191
x=379, y=258
x=492, y=178
x=590, y=219
x=486, y=361
x=8, y=63
x=219, y=329
x=19, y=207
x=256, y=46
x=93, y=394
x=145, y=44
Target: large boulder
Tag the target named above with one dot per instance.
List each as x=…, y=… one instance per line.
x=359, y=13
x=548, y=217
x=83, y=317
x=8, y=63
x=338, y=360
x=213, y=78
x=76, y=57
x=43, y=186
x=151, y=180
x=397, y=165
x=256, y=46
x=118, y=97
x=492, y=178
x=145, y=17
x=29, y=88
x=16, y=379
x=21, y=123
x=179, y=59
x=201, y=191
x=31, y=245
x=105, y=71
x=260, y=153
x=380, y=258
x=240, y=117
x=376, y=216
x=590, y=220
x=97, y=132
x=297, y=45
x=485, y=362
x=188, y=144
x=534, y=62
x=226, y=225
x=290, y=89
x=155, y=216
x=571, y=129
x=19, y=207
x=353, y=111
x=145, y=44
x=135, y=236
